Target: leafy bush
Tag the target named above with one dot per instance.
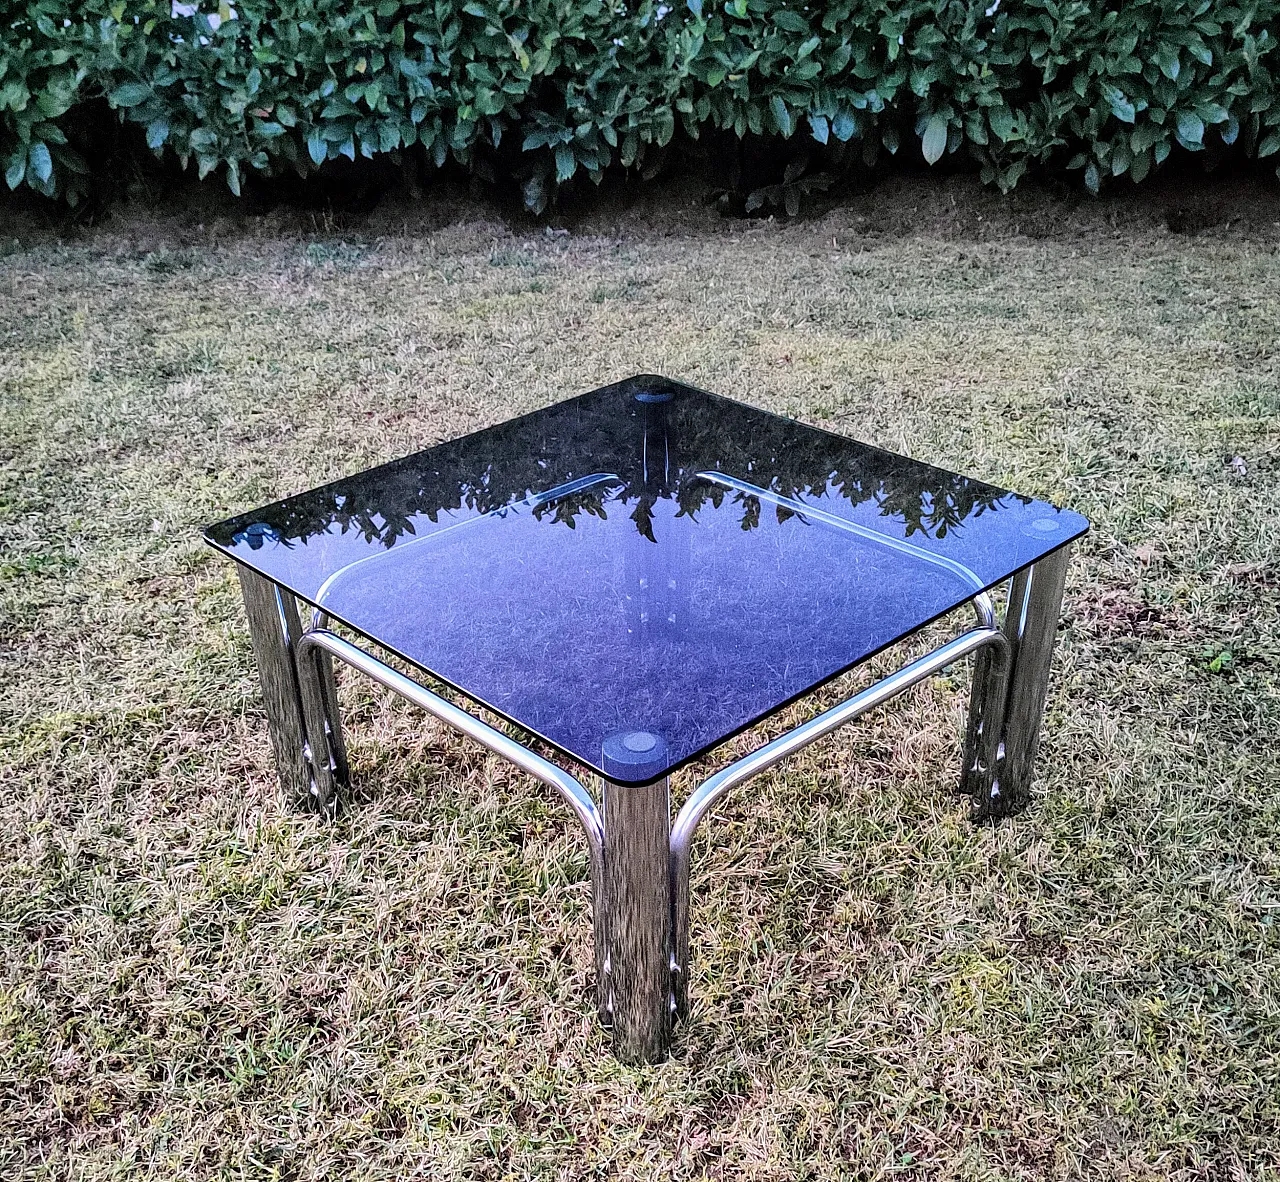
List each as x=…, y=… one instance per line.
x=552, y=88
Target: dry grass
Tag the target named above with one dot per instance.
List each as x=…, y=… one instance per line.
x=199, y=983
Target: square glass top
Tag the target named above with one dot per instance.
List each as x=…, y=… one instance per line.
x=643, y=571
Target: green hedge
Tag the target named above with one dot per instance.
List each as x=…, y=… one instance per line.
x=555, y=87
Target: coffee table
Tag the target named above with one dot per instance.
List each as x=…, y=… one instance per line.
x=630, y=578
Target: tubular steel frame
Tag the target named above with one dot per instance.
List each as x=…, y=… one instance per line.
x=639, y=856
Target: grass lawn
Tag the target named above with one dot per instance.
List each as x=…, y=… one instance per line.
x=197, y=982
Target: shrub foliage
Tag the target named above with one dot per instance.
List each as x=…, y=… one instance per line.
x=561, y=87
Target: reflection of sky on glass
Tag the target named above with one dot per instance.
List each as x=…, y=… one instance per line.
x=676, y=567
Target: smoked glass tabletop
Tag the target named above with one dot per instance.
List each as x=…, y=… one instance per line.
x=639, y=573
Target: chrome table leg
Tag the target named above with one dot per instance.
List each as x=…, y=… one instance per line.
x=272, y=648
x=987, y=692
x=637, y=919
x=986, y=708
x=320, y=711
x=999, y=774
x=299, y=695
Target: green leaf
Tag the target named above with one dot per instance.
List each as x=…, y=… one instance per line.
x=844, y=126
x=1144, y=136
x=664, y=126
x=14, y=95
x=792, y=21
x=16, y=169
x=1091, y=178
x=131, y=94
x=1269, y=145
x=1201, y=52
x=695, y=7
x=934, y=140
x=1001, y=120
x=1190, y=127
x=781, y=116
x=820, y=128
x=157, y=133
x=566, y=163
x=1121, y=107
x=41, y=162
x=317, y=148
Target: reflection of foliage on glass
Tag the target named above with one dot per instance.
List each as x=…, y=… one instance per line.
x=655, y=449
x=566, y=509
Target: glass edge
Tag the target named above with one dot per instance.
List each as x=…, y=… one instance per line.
x=684, y=761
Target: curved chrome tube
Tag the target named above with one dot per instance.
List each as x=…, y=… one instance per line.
x=802, y=510
x=532, y=501
x=578, y=798
x=985, y=609
x=537, y=500
x=711, y=790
